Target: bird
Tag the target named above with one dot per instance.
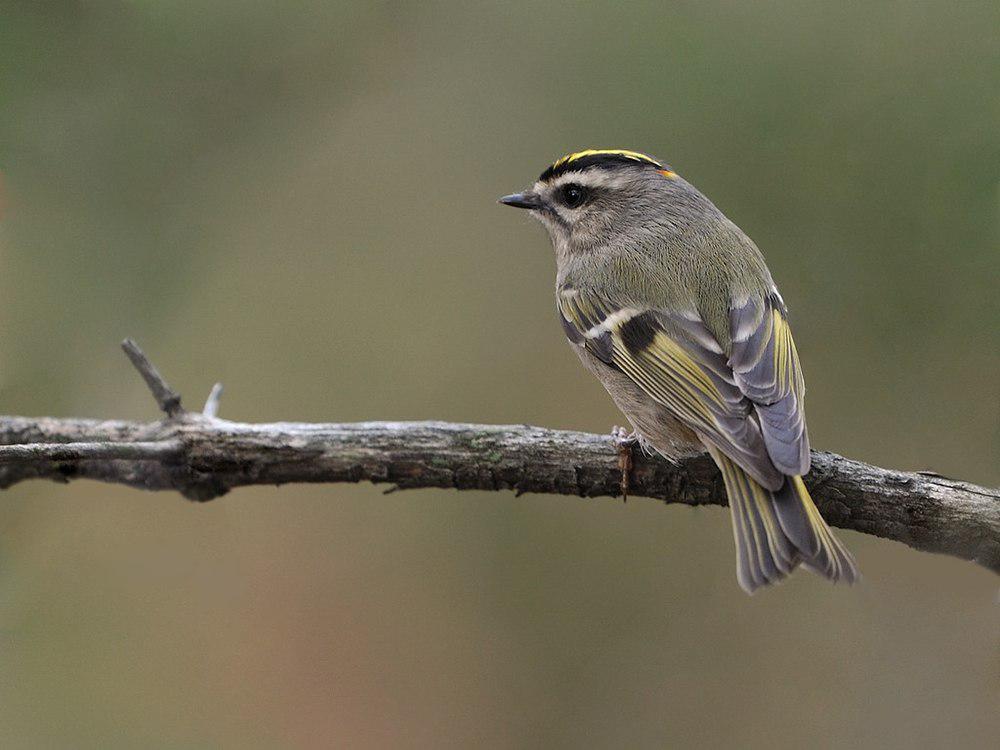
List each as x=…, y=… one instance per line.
x=672, y=307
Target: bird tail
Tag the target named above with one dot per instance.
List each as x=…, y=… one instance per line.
x=777, y=531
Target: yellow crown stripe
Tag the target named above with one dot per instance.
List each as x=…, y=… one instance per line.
x=604, y=152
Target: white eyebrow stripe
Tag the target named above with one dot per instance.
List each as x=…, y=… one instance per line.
x=591, y=177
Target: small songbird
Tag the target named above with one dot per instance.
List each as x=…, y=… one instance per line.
x=673, y=308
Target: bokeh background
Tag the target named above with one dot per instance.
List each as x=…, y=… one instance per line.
x=297, y=198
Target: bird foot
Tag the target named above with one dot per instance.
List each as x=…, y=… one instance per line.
x=623, y=441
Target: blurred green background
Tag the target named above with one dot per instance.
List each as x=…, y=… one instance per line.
x=298, y=199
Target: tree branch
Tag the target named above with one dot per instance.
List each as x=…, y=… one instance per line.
x=167, y=399
x=203, y=457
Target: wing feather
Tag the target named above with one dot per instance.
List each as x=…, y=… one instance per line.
x=766, y=368
x=678, y=363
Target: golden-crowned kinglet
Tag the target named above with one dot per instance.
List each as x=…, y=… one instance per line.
x=673, y=309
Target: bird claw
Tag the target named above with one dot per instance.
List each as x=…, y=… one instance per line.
x=624, y=440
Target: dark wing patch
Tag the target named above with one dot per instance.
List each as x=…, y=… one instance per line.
x=638, y=332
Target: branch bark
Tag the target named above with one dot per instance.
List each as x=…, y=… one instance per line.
x=203, y=457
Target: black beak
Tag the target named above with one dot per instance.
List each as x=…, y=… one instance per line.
x=522, y=200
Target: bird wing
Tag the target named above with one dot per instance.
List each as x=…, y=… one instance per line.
x=740, y=404
x=766, y=368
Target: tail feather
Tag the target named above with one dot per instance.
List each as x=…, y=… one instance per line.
x=777, y=531
x=785, y=555
x=832, y=559
x=795, y=520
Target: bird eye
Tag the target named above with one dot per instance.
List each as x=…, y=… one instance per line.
x=573, y=195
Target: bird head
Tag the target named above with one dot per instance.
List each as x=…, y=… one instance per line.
x=593, y=197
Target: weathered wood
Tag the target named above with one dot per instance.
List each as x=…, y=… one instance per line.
x=203, y=457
